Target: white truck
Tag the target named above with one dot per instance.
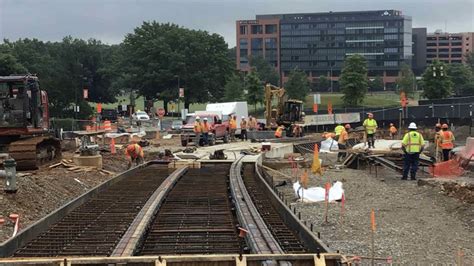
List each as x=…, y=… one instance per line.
x=238, y=109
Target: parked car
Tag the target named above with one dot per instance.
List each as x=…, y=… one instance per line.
x=140, y=116
x=176, y=124
x=109, y=114
x=219, y=128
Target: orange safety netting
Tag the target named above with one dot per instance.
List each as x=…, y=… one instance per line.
x=449, y=169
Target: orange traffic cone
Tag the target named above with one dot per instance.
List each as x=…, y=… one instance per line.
x=112, y=146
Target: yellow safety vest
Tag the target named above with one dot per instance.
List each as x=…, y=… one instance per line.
x=278, y=132
x=338, y=130
x=370, y=125
x=413, y=141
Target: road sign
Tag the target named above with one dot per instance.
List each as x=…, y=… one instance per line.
x=161, y=112
x=317, y=98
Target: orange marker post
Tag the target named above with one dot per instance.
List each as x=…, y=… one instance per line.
x=112, y=146
x=326, y=198
x=343, y=201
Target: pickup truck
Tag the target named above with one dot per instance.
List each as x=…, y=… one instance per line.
x=219, y=129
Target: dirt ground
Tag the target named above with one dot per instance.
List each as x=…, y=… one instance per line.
x=414, y=224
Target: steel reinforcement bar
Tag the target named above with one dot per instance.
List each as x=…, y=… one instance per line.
x=92, y=224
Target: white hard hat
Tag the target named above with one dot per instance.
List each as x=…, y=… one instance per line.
x=243, y=117
x=412, y=126
x=197, y=117
x=205, y=118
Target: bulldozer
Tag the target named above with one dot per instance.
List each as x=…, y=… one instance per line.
x=24, y=123
x=286, y=112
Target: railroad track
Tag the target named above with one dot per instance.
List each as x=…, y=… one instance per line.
x=197, y=217
x=95, y=227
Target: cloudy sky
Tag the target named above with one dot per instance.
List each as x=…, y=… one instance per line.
x=110, y=20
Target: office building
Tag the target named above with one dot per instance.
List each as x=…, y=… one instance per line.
x=419, y=50
x=448, y=47
x=319, y=42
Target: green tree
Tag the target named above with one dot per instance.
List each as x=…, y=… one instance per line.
x=265, y=71
x=155, y=55
x=297, y=86
x=376, y=83
x=324, y=83
x=254, y=88
x=406, y=81
x=10, y=65
x=462, y=79
x=470, y=60
x=354, y=80
x=234, y=89
x=436, y=83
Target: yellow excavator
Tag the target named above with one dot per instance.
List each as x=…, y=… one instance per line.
x=286, y=111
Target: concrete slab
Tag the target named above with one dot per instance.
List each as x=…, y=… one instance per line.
x=92, y=161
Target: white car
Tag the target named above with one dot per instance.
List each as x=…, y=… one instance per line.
x=140, y=116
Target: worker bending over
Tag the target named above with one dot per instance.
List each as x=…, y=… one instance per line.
x=342, y=142
x=205, y=128
x=412, y=146
x=446, y=141
x=243, y=128
x=370, y=126
x=339, y=128
x=134, y=154
x=197, y=131
x=233, y=127
x=279, y=132
x=393, y=131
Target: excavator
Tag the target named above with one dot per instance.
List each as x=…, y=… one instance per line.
x=286, y=112
x=24, y=122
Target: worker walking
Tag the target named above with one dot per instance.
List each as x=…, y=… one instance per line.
x=412, y=146
x=197, y=131
x=279, y=132
x=393, y=131
x=134, y=154
x=370, y=126
x=205, y=127
x=339, y=128
x=446, y=141
x=342, y=142
x=233, y=127
x=243, y=129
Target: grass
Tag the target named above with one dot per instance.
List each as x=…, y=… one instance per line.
x=384, y=99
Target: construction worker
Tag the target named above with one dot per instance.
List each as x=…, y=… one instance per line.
x=342, y=142
x=370, y=126
x=297, y=131
x=134, y=154
x=279, y=132
x=339, y=128
x=205, y=128
x=412, y=146
x=252, y=123
x=243, y=128
x=438, y=150
x=197, y=130
x=393, y=131
x=446, y=141
x=233, y=127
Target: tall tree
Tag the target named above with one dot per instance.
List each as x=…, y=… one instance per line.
x=436, y=83
x=376, y=84
x=265, y=71
x=297, y=86
x=157, y=55
x=406, y=82
x=470, y=60
x=254, y=88
x=9, y=65
x=234, y=89
x=462, y=79
x=324, y=83
x=354, y=80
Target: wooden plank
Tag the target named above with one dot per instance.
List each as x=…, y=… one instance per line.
x=55, y=165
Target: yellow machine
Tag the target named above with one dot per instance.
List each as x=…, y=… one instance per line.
x=285, y=112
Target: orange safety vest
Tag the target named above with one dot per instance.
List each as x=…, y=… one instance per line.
x=136, y=152
x=197, y=127
x=205, y=127
x=278, y=132
x=446, y=138
x=233, y=124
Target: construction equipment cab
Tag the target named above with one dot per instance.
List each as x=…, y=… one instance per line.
x=283, y=111
x=24, y=122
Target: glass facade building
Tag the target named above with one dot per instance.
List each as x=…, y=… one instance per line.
x=318, y=43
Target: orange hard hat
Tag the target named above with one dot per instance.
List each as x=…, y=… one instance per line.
x=444, y=126
x=438, y=125
x=347, y=126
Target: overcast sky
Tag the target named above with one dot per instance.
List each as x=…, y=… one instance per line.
x=110, y=20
